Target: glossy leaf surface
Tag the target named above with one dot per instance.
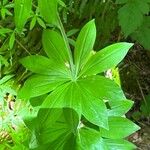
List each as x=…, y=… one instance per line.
x=55, y=47
x=73, y=96
x=119, y=127
x=119, y=108
x=44, y=66
x=38, y=85
x=106, y=58
x=84, y=44
x=119, y=144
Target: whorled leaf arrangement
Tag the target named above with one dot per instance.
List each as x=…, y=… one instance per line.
x=82, y=109
x=81, y=88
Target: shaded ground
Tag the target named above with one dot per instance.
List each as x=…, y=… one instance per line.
x=135, y=78
x=142, y=138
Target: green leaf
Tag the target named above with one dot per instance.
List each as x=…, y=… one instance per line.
x=119, y=127
x=102, y=88
x=3, y=31
x=71, y=42
x=142, y=6
x=119, y=108
x=12, y=40
x=55, y=47
x=5, y=79
x=142, y=34
x=84, y=44
x=49, y=7
x=131, y=15
x=22, y=11
x=58, y=124
x=72, y=32
x=38, y=85
x=8, y=13
x=119, y=144
x=33, y=22
x=62, y=126
x=107, y=58
x=9, y=5
x=61, y=3
x=66, y=95
x=37, y=101
x=43, y=65
x=37, y=64
x=41, y=22
x=3, y=13
x=129, y=19
x=89, y=139
x=97, y=114
x=72, y=95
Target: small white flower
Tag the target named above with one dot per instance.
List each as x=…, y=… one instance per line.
x=80, y=125
x=67, y=64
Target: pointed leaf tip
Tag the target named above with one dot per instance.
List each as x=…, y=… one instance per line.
x=84, y=44
x=129, y=44
x=113, y=54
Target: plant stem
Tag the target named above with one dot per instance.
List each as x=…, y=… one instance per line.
x=142, y=94
x=105, y=9
x=22, y=46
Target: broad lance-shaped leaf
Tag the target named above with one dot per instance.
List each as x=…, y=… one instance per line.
x=89, y=139
x=48, y=10
x=106, y=58
x=73, y=96
x=38, y=85
x=65, y=95
x=119, y=128
x=118, y=144
x=107, y=90
x=22, y=11
x=95, y=111
x=44, y=66
x=102, y=88
x=119, y=108
x=55, y=47
x=84, y=44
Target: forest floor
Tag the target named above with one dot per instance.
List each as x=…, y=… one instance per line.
x=142, y=137
x=135, y=77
